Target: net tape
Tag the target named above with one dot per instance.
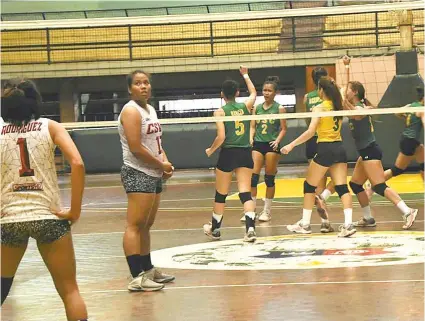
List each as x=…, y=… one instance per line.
x=199, y=120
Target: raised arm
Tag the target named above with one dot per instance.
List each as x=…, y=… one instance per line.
x=250, y=101
x=252, y=128
x=62, y=139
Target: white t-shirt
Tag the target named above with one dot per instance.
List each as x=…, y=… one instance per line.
x=29, y=184
x=151, y=133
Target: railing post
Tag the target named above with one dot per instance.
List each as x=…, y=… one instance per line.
x=294, y=40
x=130, y=43
x=212, y=39
x=376, y=30
x=49, y=61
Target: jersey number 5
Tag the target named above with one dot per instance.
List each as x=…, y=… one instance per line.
x=239, y=128
x=25, y=169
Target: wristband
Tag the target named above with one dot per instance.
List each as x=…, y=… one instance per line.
x=245, y=76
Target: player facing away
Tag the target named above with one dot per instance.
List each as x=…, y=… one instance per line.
x=30, y=202
x=330, y=156
x=235, y=156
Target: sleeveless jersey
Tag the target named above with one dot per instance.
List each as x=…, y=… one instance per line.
x=329, y=128
x=362, y=131
x=29, y=184
x=267, y=130
x=237, y=133
x=413, y=124
x=151, y=133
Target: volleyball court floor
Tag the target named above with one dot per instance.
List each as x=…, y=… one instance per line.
x=376, y=275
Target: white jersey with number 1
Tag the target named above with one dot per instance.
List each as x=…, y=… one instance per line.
x=29, y=185
x=151, y=132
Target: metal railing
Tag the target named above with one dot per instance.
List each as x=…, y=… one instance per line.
x=370, y=26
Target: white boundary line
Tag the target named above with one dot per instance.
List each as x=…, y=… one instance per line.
x=219, y=286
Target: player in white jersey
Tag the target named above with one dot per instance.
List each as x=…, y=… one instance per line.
x=145, y=165
x=30, y=204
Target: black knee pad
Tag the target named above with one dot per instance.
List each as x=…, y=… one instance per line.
x=220, y=198
x=308, y=189
x=254, y=180
x=6, y=284
x=380, y=188
x=269, y=180
x=245, y=197
x=397, y=171
x=356, y=188
x=421, y=167
x=341, y=189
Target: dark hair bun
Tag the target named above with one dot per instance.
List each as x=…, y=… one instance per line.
x=274, y=79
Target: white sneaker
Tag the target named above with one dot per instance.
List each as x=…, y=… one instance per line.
x=346, y=231
x=213, y=235
x=143, y=283
x=299, y=228
x=159, y=277
x=265, y=216
x=409, y=219
x=250, y=236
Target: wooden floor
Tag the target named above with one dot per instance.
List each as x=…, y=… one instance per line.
x=390, y=292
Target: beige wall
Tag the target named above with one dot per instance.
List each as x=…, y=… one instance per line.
x=375, y=73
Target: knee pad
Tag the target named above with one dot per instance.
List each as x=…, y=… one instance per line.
x=254, y=180
x=421, y=167
x=245, y=197
x=220, y=198
x=341, y=189
x=269, y=180
x=356, y=188
x=397, y=171
x=380, y=188
x=309, y=188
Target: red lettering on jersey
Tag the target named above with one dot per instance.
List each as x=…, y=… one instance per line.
x=39, y=126
x=154, y=128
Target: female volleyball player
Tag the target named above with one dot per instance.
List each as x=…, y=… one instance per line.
x=410, y=146
x=235, y=156
x=312, y=99
x=330, y=156
x=369, y=165
x=30, y=202
x=145, y=164
x=266, y=136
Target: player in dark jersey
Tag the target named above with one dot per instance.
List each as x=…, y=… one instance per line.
x=266, y=136
x=312, y=99
x=30, y=205
x=369, y=165
x=410, y=146
x=235, y=156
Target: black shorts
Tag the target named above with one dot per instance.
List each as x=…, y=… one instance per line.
x=135, y=181
x=330, y=153
x=311, y=147
x=232, y=158
x=371, y=152
x=43, y=231
x=408, y=145
x=264, y=148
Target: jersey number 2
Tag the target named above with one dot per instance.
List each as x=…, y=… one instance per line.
x=25, y=169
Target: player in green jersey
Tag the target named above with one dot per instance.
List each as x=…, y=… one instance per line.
x=369, y=164
x=235, y=156
x=410, y=146
x=266, y=136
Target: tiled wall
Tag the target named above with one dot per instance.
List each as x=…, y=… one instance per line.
x=375, y=73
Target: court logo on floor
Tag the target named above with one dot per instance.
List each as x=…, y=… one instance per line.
x=298, y=252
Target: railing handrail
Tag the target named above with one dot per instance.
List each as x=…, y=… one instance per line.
x=206, y=18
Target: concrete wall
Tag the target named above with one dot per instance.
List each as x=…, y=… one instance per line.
x=185, y=145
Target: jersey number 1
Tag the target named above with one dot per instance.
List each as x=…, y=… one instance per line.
x=158, y=142
x=25, y=169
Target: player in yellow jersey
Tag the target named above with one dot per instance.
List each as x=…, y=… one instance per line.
x=330, y=156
